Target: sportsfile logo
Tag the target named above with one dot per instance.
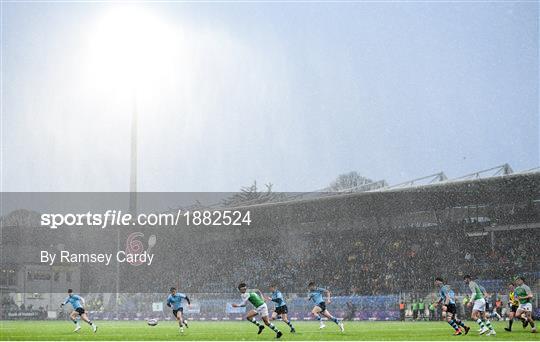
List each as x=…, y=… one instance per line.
x=120, y=218
x=109, y=218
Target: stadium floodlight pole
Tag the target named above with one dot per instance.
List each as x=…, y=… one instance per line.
x=132, y=190
x=131, y=48
x=133, y=173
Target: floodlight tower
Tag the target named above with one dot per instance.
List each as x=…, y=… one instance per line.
x=132, y=189
x=131, y=48
x=133, y=160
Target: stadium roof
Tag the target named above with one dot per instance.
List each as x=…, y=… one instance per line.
x=462, y=191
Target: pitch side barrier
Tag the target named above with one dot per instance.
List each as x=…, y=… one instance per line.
x=205, y=307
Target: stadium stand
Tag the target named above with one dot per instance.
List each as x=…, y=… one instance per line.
x=371, y=244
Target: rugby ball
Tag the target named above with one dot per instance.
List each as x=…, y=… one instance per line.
x=152, y=322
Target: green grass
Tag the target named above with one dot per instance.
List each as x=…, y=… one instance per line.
x=309, y=331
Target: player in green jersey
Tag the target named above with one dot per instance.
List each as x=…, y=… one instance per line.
x=478, y=302
x=524, y=295
x=255, y=297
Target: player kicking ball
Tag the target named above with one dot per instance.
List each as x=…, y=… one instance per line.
x=77, y=302
x=316, y=295
x=174, y=301
x=255, y=297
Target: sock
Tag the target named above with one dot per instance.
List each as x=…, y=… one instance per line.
x=90, y=322
x=318, y=317
x=531, y=322
x=510, y=322
x=254, y=321
x=289, y=324
x=480, y=323
x=75, y=322
x=460, y=323
x=273, y=327
x=453, y=325
x=335, y=320
x=488, y=324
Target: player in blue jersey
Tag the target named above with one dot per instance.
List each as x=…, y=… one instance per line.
x=447, y=298
x=174, y=301
x=315, y=294
x=77, y=302
x=280, y=306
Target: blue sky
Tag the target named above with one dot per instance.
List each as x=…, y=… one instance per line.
x=292, y=94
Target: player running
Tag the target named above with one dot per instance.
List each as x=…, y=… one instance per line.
x=447, y=298
x=524, y=296
x=479, y=307
x=77, y=302
x=255, y=297
x=513, y=305
x=174, y=301
x=316, y=295
x=280, y=309
x=490, y=311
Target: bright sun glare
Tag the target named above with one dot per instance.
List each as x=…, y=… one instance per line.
x=131, y=47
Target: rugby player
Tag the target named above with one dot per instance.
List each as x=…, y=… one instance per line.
x=255, y=297
x=174, y=301
x=524, y=296
x=77, y=302
x=280, y=306
x=447, y=298
x=316, y=295
x=478, y=302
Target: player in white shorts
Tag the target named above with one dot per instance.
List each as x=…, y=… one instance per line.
x=262, y=310
x=478, y=303
x=524, y=295
x=256, y=298
x=525, y=307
